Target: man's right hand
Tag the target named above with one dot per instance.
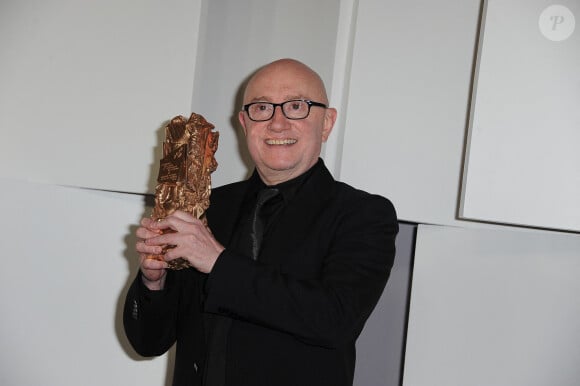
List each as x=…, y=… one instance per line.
x=153, y=271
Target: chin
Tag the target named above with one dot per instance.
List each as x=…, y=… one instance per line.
x=281, y=166
x=279, y=159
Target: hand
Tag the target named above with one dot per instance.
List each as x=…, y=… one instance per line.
x=153, y=271
x=189, y=238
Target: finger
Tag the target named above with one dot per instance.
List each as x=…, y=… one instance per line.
x=169, y=222
x=173, y=253
x=147, y=249
x=184, y=216
x=153, y=264
x=146, y=233
x=147, y=222
x=177, y=224
x=170, y=238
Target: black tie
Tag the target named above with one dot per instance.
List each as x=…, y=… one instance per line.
x=258, y=221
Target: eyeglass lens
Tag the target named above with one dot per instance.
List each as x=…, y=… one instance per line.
x=263, y=111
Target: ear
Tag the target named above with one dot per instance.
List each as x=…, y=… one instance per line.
x=242, y=119
x=329, y=119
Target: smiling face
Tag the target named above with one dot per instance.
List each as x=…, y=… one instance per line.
x=280, y=147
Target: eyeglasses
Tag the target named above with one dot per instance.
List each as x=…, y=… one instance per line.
x=292, y=109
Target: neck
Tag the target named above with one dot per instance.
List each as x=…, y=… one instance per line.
x=275, y=177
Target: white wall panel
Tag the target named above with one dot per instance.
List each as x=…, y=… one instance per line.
x=494, y=307
x=523, y=163
x=408, y=102
x=67, y=261
x=87, y=85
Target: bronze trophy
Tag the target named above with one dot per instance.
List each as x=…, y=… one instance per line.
x=184, y=181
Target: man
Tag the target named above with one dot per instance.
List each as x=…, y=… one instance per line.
x=286, y=309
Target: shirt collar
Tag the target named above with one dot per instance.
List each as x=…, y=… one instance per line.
x=288, y=188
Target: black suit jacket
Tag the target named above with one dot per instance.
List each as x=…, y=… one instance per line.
x=297, y=311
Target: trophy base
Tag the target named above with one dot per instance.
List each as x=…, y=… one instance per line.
x=179, y=263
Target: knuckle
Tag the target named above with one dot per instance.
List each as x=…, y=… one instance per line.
x=140, y=246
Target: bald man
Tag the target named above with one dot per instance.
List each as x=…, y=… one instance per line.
x=282, y=305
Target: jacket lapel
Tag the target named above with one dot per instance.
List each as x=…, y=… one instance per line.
x=224, y=210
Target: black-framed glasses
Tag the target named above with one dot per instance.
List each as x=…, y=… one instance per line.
x=292, y=109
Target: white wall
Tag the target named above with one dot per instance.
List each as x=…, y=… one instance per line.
x=494, y=307
x=86, y=86
x=525, y=119
x=408, y=103
x=67, y=264
x=400, y=70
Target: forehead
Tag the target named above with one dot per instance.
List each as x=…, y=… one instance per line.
x=279, y=83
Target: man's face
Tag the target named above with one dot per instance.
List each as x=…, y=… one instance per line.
x=282, y=148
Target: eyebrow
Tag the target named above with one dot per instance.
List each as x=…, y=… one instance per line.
x=287, y=98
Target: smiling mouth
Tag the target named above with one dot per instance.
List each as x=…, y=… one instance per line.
x=280, y=141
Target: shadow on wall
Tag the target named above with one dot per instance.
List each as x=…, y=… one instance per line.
x=132, y=259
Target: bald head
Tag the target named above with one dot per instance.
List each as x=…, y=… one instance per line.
x=286, y=75
x=283, y=148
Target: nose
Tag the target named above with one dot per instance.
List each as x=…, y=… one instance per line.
x=278, y=120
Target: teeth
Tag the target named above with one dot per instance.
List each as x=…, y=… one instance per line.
x=280, y=141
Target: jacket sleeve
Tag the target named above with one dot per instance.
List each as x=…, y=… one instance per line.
x=329, y=309
x=149, y=317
